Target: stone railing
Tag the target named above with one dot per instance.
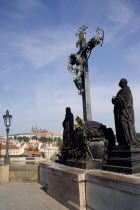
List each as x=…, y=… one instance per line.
x=90, y=189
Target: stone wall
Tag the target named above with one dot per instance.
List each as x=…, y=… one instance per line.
x=23, y=173
x=18, y=173
x=106, y=190
x=4, y=174
x=20, y=159
x=65, y=184
x=90, y=189
x=77, y=188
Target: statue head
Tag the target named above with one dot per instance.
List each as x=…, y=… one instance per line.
x=79, y=120
x=72, y=59
x=68, y=110
x=123, y=83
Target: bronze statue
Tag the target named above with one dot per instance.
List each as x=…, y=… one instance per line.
x=80, y=59
x=79, y=121
x=75, y=59
x=124, y=115
x=68, y=125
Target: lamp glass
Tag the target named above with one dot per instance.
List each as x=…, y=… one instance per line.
x=7, y=119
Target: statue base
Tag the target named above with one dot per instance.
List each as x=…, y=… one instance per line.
x=88, y=146
x=63, y=156
x=124, y=159
x=83, y=164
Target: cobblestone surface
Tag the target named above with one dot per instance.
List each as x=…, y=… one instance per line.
x=26, y=196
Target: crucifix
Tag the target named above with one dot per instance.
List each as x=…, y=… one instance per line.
x=80, y=60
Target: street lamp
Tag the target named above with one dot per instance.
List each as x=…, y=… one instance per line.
x=7, y=121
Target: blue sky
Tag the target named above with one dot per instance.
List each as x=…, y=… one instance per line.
x=36, y=38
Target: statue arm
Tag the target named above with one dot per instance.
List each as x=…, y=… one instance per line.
x=70, y=66
x=119, y=101
x=71, y=69
x=113, y=100
x=116, y=100
x=64, y=123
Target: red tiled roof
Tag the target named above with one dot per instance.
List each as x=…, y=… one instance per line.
x=9, y=147
x=32, y=153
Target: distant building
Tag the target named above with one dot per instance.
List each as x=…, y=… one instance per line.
x=12, y=149
x=32, y=154
x=22, y=148
x=47, y=135
x=49, y=149
x=38, y=133
x=3, y=142
x=37, y=130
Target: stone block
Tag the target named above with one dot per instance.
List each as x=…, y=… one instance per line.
x=90, y=164
x=108, y=190
x=23, y=173
x=23, y=176
x=65, y=184
x=4, y=174
x=124, y=159
x=25, y=167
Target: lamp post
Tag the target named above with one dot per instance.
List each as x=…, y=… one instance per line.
x=7, y=121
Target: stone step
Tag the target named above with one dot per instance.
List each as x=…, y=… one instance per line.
x=122, y=169
x=128, y=162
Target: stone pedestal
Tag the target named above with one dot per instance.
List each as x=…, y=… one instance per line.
x=89, y=164
x=124, y=159
x=65, y=184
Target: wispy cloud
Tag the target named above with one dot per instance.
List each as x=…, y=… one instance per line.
x=49, y=106
x=7, y=88
x=22, y=9
x=39, y=48
x=120, y=12
x=41, y=51
x=36, y=38
x=49, y=109
x=125, y=21
x=102, y=107
x=133, y=55
x=27, y=4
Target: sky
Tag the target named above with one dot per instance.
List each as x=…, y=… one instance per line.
x=36, y=38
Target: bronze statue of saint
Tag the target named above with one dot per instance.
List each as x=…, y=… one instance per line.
x=79, y=61
x=68, y=125
x=124, y=115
